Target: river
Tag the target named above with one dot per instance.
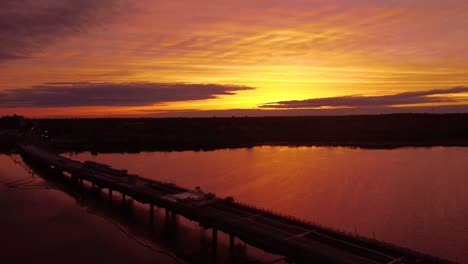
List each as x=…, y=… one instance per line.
x=412, y=197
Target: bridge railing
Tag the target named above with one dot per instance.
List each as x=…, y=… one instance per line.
x=356, y=236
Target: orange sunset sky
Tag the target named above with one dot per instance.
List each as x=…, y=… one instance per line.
x=232, y=57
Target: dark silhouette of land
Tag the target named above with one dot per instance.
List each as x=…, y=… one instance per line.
x=12, y=128
x=167, y=134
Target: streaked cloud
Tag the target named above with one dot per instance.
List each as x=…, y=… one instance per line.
x=29, y=25
x=288, y=50
x=84, y=94
x=407, y=98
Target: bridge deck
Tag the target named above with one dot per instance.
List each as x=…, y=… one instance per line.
x=296, y=239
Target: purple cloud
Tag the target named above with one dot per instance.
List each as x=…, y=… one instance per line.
x=406, y=98
x=111, y=94
x=26, y=26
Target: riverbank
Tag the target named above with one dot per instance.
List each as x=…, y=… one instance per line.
x=169, y=134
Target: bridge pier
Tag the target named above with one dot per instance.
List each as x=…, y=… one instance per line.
x=167, y=213
x=231, y=241
x=151, y=207
x=215, y=237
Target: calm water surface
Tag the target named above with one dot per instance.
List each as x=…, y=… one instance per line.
x=414, y=197
x=42, y=223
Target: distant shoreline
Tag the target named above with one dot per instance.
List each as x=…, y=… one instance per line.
x=200, y=134
x=177, y=134
x=368, y=146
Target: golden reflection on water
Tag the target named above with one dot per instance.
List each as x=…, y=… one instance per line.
x=414, y=197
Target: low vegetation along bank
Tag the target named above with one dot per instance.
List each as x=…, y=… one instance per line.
x=149, y=134
x=380, y=131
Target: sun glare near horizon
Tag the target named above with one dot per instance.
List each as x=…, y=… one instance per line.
x=282, y=51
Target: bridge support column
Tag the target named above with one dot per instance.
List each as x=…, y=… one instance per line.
x=231, y=241
x=151, y=207
x=215, y=237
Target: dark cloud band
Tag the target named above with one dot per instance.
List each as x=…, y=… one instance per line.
x=407, y=98
x=111, y=94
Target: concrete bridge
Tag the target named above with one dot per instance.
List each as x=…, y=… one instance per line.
x=298, y=240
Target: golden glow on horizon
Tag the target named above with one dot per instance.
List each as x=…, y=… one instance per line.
x=294, y=51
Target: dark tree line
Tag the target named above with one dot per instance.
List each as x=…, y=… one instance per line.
x=139, y=134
